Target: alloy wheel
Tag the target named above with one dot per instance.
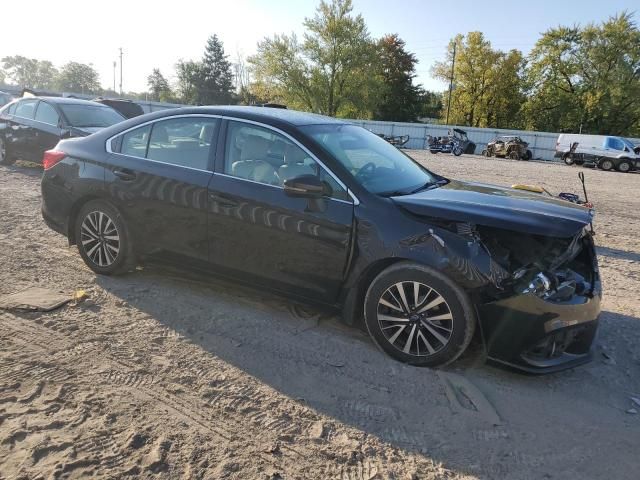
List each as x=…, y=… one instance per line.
x=415, y=318
x=100, y=238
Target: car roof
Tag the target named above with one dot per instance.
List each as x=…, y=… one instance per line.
x=65, y=101
x=267, y=114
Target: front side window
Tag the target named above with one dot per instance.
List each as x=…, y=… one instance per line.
x=26, y=109
x=615, y=143
x=264, y=156
x=47, y=114
x=374, y=163
x=90, y=116
x=183, y=141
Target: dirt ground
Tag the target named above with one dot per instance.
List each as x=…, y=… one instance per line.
x=162, y=374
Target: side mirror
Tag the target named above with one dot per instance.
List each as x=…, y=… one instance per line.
x=305, y=186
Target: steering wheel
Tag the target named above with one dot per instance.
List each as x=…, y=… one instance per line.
x=366, y=171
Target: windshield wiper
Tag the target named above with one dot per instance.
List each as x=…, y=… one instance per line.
x=429, y=186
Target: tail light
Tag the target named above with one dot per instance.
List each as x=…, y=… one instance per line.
x=51, y=157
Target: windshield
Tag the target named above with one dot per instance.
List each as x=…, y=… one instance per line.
x=374, y=163
x=85, y=116
x=629, y=143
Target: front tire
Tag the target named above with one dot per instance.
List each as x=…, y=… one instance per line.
x=624, y=166
x=103, y=239
x=419, y=316
x=5, y=158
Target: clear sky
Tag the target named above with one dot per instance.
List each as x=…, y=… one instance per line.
x=158, y=33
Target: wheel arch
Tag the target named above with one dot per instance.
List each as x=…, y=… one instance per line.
x=73, y=214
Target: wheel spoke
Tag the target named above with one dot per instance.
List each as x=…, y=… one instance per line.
x=397, y=334
x=400, y=289
x=407, y=345
x=435, y=333
x=100, y=239
x=421, y=336
x=389, y=318
x=431, y=304
x=444, y=316
x=390, y=305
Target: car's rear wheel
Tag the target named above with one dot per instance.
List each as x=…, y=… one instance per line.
x=624, y=166
x=419, y=316
x=606, y=164
x=103, y=238
x=5, y=158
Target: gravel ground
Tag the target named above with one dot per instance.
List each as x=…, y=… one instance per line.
x=163, y=374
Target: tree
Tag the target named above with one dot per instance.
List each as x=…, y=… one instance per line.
x=188, y=73
x=29, y=72
x=430, y=105
x=487, y=83
x=333, y=71
x=399, y=99
x=159, y=86
x=214, y=78
x=79, y=78
x=586, y=79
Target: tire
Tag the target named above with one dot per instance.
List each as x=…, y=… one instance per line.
x=485, y=153
x=5, y=158
x=568, y=159
x=457, y=151
x=433, y=151
x=113, y=254
x=527, y=155
x=624, y=166
x=453, y=331
x=606, y=164
x=514, y=155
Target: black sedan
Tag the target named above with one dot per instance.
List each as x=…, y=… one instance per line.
x=30, y=126
x=320, y=209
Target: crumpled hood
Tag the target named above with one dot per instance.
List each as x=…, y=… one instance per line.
x=499, y=207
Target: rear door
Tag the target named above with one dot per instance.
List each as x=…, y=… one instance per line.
x=158, y=174
x=47, y=131
x=22, y=131
x=295, y=244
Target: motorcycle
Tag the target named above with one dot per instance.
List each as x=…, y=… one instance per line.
x=445, y=145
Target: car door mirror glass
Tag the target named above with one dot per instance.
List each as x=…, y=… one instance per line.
x=306, y=186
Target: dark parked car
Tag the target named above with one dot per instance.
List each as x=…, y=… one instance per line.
x=30, y=126
x=320, y=209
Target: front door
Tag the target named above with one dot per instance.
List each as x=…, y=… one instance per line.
x=294, y=244
x=159, y=175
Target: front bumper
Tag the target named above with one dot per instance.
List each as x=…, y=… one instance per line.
x=530, y=334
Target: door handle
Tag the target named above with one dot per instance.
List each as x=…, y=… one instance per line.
x=124, y=174
x=222, y=200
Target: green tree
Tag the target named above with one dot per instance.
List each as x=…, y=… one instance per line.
x=79, y=78
x=333, y=71
x=399, y=99
x=586, y=79
x=159, y=88
x=215, y=77
x=188, y=74
x=430, y=105
x=29, y=72
x=488, y=84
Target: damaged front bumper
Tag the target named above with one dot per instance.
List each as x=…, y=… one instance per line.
x=535, y=335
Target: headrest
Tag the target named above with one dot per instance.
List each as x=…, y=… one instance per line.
x=254, y=148
x=294, y=154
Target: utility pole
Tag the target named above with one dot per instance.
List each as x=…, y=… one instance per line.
x=453, y=66
x=120, y=70
x=114, y=75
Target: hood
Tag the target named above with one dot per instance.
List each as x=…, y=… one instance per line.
x=499, y=207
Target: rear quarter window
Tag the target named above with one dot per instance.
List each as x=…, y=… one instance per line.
x=26, y=109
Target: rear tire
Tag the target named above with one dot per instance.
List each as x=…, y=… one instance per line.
x=5, y=158
x=103, y=239
x=606, y=164
x=624, y=166
x=430, y=323
x=568, y=159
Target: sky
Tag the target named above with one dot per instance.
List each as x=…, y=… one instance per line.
x=156, y=34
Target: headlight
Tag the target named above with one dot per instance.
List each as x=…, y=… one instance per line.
x=539, y=285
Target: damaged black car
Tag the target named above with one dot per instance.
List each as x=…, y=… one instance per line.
x=323, y=210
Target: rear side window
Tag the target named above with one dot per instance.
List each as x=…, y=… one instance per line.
x=183, y=141
x=26, y=109
x=12, y=108
x=47, y=114
x=135, y=142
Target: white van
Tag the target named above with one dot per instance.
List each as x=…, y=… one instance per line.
x=605, y=152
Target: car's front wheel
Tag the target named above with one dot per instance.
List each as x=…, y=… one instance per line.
x=103, y=239
x=5, y=158
x=419, y=316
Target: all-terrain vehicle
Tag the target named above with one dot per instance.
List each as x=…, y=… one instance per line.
x=457, y=142
x=508, y=146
